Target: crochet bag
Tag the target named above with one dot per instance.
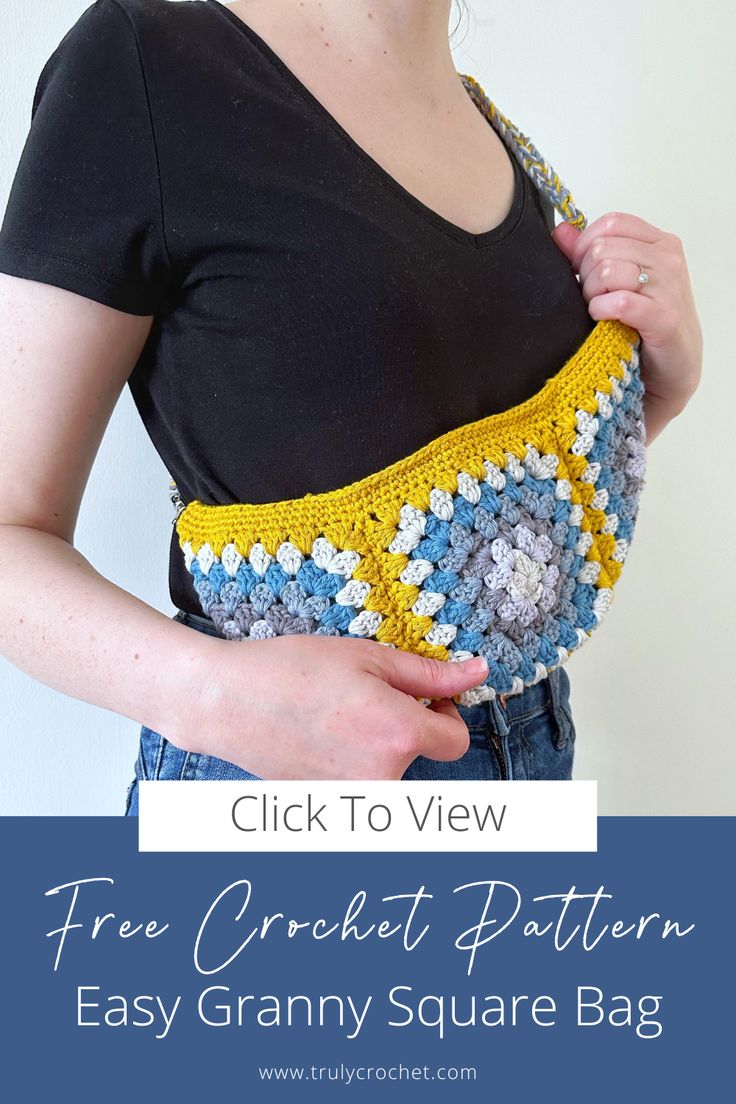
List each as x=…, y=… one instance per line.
x=502, y=538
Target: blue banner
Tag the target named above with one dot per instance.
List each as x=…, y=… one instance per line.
x=567, y=977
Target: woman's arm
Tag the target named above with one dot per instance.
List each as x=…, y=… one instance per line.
x=281, y=708
x=63, y=362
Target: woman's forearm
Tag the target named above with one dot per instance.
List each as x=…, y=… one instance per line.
x=290, y=707
x=76, y=631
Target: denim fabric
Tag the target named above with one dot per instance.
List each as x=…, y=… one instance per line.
x=532, y=737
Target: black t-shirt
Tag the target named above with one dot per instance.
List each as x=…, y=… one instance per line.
x=314, y=321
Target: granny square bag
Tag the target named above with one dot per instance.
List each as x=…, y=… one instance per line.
x=502, y=538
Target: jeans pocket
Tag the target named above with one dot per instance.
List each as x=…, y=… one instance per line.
x=208, y=768
x=161, y=761
x=165, y=762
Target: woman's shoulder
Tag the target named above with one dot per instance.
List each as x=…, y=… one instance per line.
x=159, y=21
x=162, y=12
x=169, y=18
x=112, y=35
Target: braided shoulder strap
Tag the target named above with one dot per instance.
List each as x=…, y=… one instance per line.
x=534, y=164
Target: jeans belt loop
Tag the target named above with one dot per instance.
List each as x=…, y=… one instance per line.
x=499, y=717
x=558, y=710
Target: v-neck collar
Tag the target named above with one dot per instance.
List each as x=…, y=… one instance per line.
x=486, y=238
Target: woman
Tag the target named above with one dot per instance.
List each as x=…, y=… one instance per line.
x=290, y=230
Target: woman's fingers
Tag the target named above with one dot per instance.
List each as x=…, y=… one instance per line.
x=607, y=251
x=436, y=731
x=614, y=224
x=423, y=677
x=641, y=312
x=613, y=275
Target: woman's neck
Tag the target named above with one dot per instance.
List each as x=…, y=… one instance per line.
x=407, y=33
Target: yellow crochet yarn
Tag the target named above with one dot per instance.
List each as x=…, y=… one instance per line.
x=363, y=516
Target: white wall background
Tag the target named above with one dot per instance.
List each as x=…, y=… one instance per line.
x=633, y=106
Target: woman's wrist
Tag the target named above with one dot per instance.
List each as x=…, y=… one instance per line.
x=191, y=661
x=659, y=411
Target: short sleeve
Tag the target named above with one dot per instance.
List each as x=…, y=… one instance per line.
x=85, y=210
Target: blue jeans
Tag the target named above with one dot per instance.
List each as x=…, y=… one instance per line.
x=531, y=737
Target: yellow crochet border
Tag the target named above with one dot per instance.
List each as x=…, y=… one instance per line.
x=363, y=516
x=538, y=421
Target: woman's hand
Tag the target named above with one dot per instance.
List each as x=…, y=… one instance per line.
x=607, y=255
x=317, y=706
